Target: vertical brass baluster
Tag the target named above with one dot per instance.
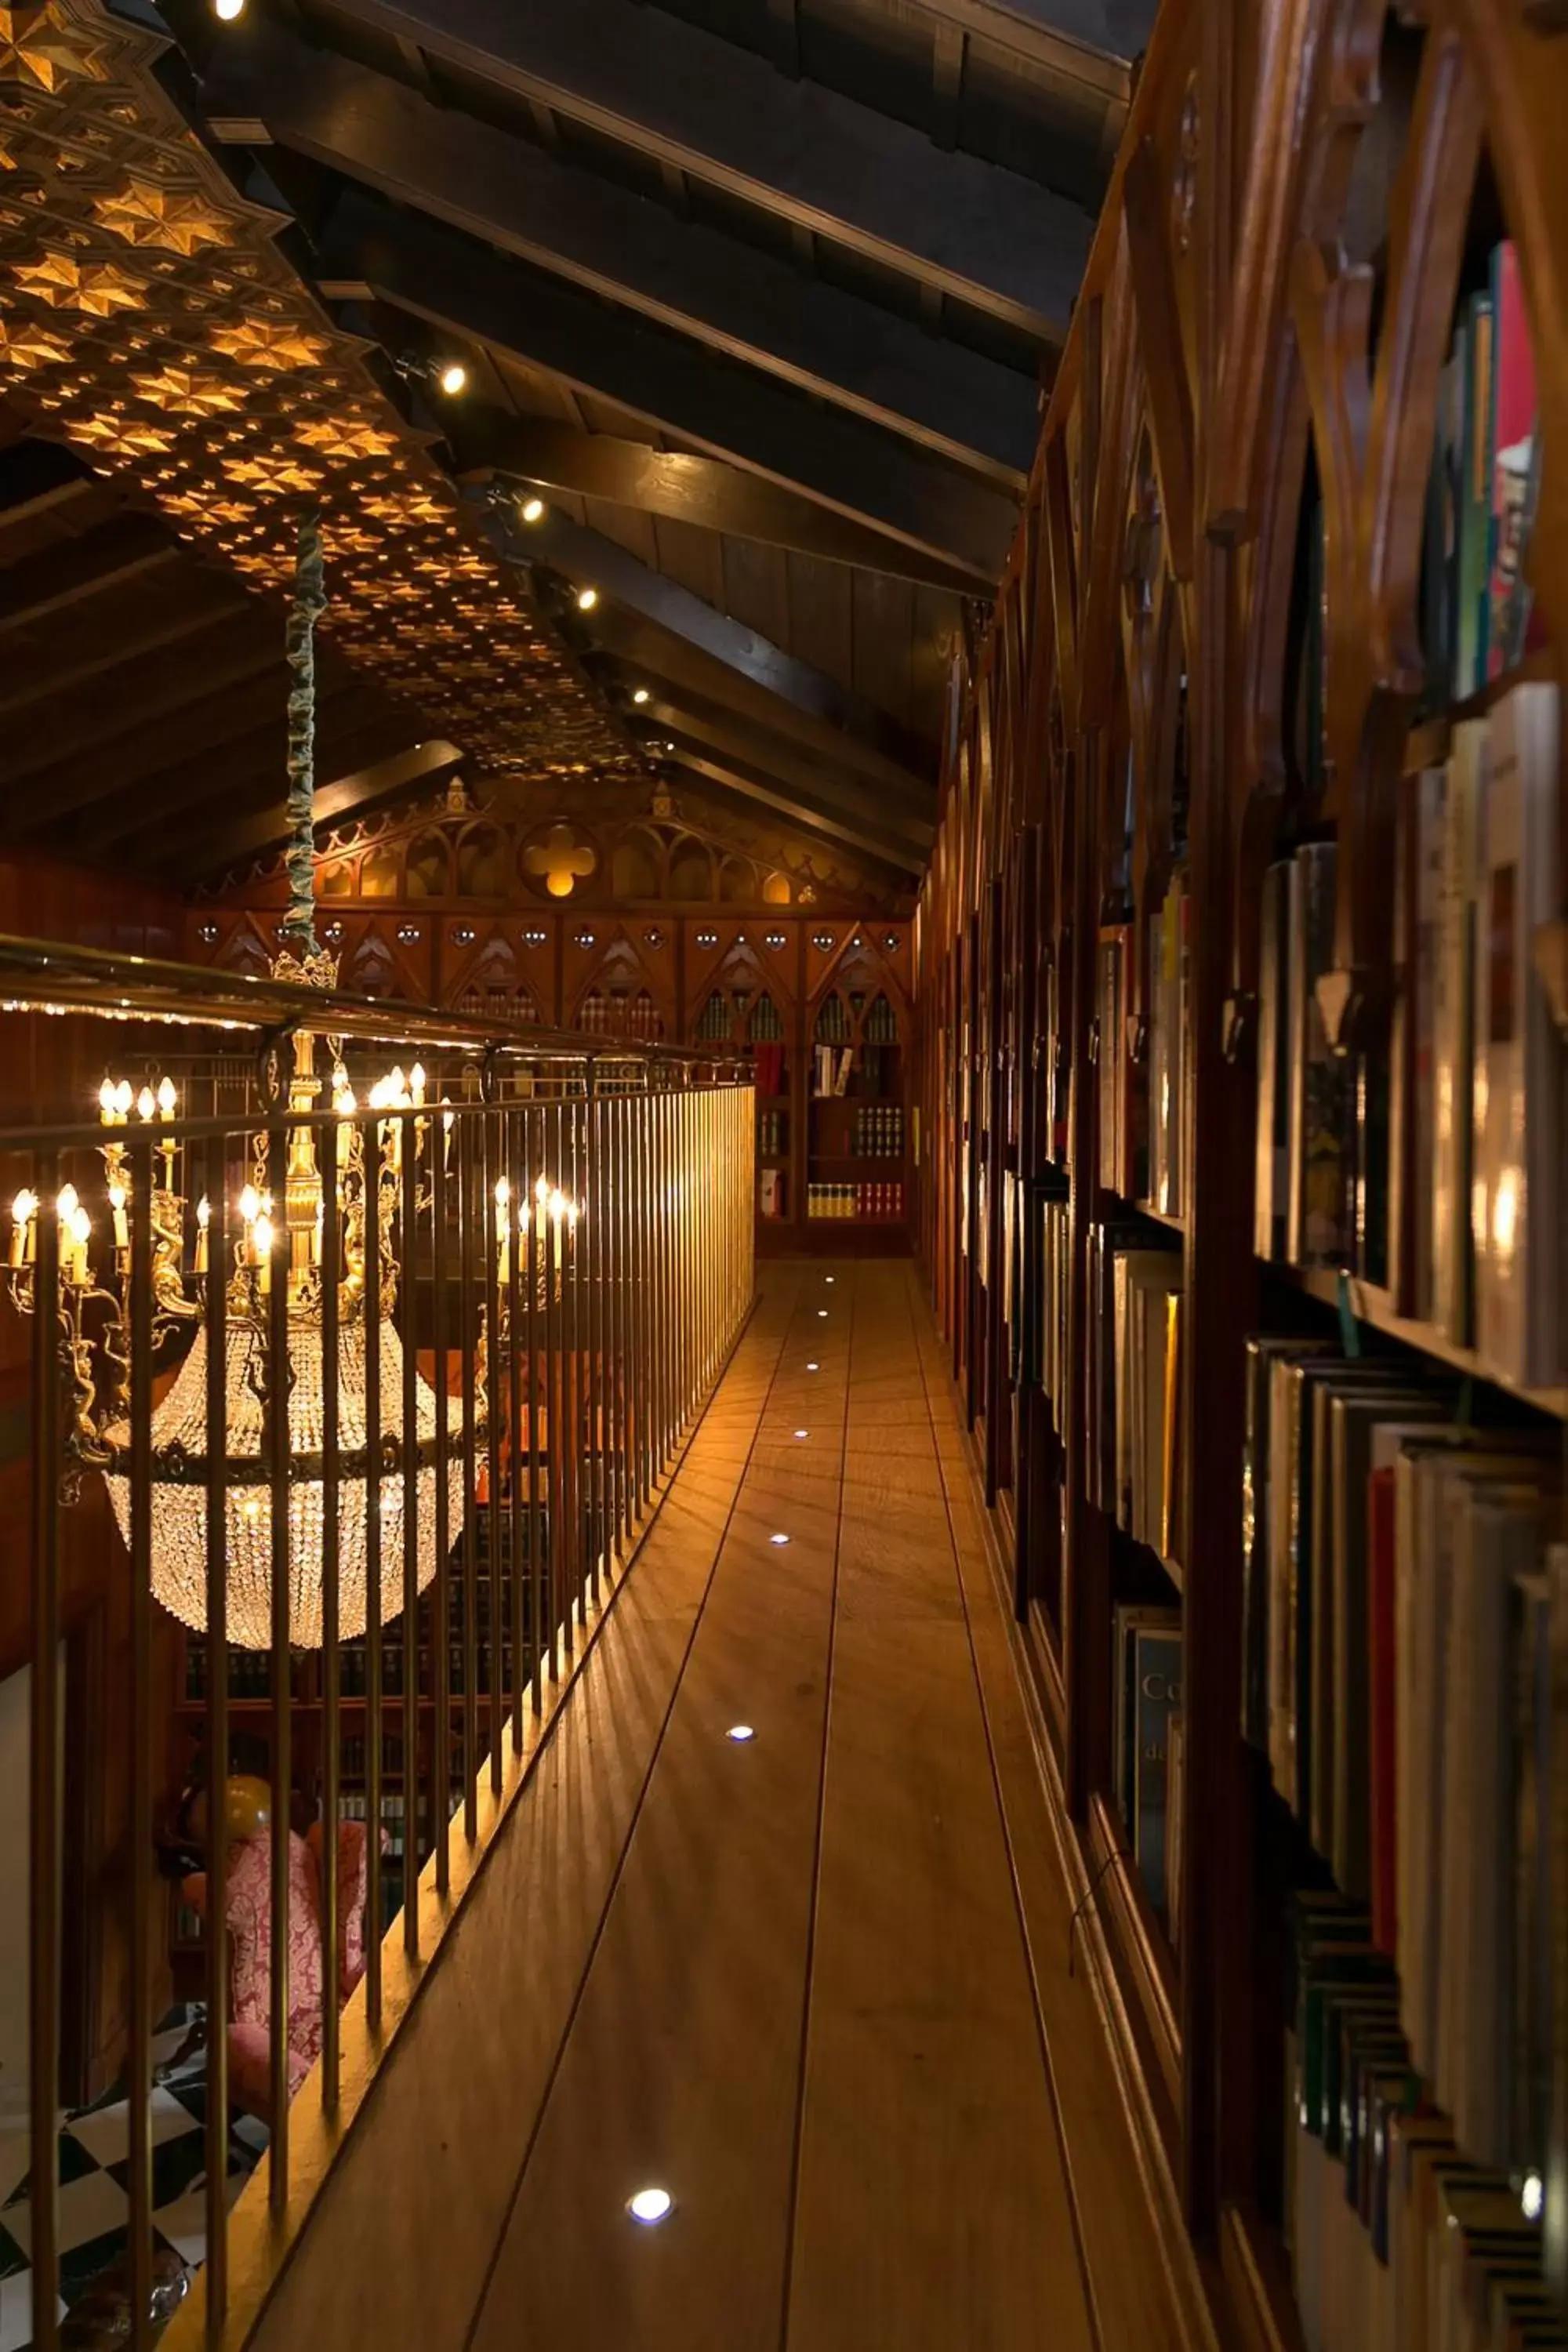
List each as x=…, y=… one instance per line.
x=441, y=1606
x=332, y=1658
x=494, y=1519
x=412, y=1743
x=217, y=1565
x=553, y=1395
x=516, y=1167
x=277, y=1457
x=374, y=1903
x=534, y=1167
x=467, y=1273
x=139, y=1827
x=43, y=1765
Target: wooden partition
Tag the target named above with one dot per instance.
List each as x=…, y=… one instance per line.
x=642, y=930
x=1188, y=831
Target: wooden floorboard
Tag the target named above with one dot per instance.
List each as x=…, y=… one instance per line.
x=815, y=1984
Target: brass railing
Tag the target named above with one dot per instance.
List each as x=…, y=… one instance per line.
x=338, y=1334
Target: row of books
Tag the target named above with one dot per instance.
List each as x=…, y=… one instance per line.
x=870, y=1203
x=1477, y=614
x=1135, y=1384
x=1400, y=2240
x=1148, y=1748
x=1141, y=1065
x=1438, y=1172
x=772, y=1132
x=879, y=1132
x=1396, y=1674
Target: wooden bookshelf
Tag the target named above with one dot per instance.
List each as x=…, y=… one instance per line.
x=1228, y=643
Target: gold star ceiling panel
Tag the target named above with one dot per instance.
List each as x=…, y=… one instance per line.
x=146, y=317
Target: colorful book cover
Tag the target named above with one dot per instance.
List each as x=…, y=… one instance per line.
x=1513, y=437
x=1475, y=506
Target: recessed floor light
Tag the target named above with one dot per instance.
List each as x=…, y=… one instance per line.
x=778, y=1539
x=803, y=1433
x=827, y=1277
x=814, y=1368
x=740, y=1732
x=651, y=2205
x=822, y=1314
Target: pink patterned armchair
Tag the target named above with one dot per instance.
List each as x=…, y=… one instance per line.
x=249, y=1917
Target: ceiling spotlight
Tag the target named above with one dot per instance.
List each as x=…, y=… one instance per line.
x=226, y=11
x=640, y=695
x=651, y=2205
x=828, y=1279
x=453, y=378
x=740, y=1732
x=822, y=1314
x=803, y=1433
x=814, y=1368
x=532, y=509
x=586, y=599
x=778, y=1539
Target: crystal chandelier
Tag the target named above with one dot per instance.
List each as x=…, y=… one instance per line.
x=313, y=1243
x=316, y=1243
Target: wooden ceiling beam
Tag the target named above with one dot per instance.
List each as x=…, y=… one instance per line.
x=741, y=784
x=680, y=487
x=827, y=163
x=38, y=478
x=239, y=839
x=72, y=571
x=863, y=737
x=674, y=722
x=41, y=685
x=158, y=689
x=873, y=476
x=137, y=769
x=150, y=828
x=735, y=298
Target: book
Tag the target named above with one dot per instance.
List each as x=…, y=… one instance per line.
x=1175, y=1779
x=1128, y=1619
x=1513, y=460
x=1155, y=1696
x=1453, y=1027
x=1271, y=1180
x=1517, y=1197
x=1475, y=501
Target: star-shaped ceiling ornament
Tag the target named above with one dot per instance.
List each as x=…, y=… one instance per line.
x=272, y=476
x=175, y=218
x=67, y=284
x=40, y=52
x=559, y=860
x=185, y=391
x=23, y=345
x=121, y=432
x=266, y=343
x=347, y=436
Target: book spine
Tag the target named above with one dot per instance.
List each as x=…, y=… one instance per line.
x=1270, y=1163
x=1475, y=509
x=1513, y=414
x=1383, y=1706
x=1453, y=1036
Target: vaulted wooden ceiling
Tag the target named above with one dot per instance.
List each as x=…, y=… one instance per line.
x=757, y=299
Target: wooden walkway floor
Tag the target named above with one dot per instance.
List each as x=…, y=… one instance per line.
x=815, y=1984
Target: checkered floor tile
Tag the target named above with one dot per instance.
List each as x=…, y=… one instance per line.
x=94, y=2171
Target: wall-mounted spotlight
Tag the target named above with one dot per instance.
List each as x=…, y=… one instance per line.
x=226, y=11
x=532, y=509
x=448, y=375
x=586, y=599
x=639, y=695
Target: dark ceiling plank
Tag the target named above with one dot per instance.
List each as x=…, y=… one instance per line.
x=152, y=827
x=704, y=490
x=67, y=574
x=656, y=657
x=743, y=784
x=41, y=685
x=203, y=729
x=874, y=476
x=38, y=478
x=568, y=220
x=239, y=839
x=866, y=739
x=639, y=76
x=686, y=723
x=157, y=689
x=1039, y=32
